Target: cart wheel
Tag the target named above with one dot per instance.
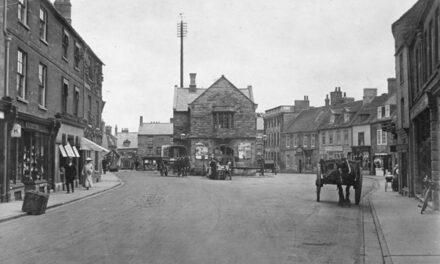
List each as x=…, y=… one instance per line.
x=358, y=191
x=318, y=189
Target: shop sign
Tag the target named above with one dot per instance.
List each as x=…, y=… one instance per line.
x=16, y=131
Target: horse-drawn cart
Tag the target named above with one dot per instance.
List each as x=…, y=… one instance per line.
x=340, y=172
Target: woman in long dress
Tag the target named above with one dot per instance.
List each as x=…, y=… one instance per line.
x=88, y=172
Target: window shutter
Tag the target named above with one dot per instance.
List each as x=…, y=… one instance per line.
x=379, y=112
x=387, y=111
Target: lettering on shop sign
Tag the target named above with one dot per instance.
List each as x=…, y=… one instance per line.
x=37, y=127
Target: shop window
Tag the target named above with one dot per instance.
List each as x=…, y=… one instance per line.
x=21, y=74
x=223, y=120
x=43, y=24
x=32, y=162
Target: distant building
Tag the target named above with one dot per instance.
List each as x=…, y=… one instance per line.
x=127, y=148
x=219, y=121
x=151, y=137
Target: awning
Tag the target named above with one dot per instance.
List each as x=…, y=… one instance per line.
x=63, y=151
x=69, y=151
x=75, y=150
x=90, y=145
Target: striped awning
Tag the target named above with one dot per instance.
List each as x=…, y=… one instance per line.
x=90, y=145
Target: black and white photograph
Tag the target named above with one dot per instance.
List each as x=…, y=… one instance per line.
x=219, y=132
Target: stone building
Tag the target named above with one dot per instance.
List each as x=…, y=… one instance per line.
x=127, y=148
x=219, y=122
x=51, y=97
x=301, y=149
x=151, y=137
x=417, y=55
x=275, y=123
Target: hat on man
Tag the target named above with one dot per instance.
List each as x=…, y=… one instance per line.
x=88, y=159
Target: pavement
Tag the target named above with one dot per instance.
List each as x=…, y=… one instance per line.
x=12, y=210
x=404, y=234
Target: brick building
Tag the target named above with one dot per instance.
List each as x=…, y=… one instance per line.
x=417, y=56
x=151, y=137
x=51, y=96
x=219, y=121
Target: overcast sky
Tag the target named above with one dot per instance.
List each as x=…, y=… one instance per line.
x=285, y=49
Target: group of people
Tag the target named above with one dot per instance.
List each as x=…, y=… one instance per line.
x=70, y=174
x=220, y=170
x=183, y=166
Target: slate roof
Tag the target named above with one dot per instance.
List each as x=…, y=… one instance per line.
x=109, y=141
x=405, y=27
x=339, y=120
x=183, y=97
x=130, y=136
x=156, y=129
x=368, y=113
x=307, y=120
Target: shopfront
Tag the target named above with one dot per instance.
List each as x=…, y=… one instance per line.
x=30, y=153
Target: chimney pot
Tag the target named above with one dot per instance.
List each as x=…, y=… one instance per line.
x=64, y=7
x=141, y=120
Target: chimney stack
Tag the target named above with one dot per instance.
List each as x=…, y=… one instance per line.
x=392, y=86
x=141, y=120
x=64, y=7
x=108, y=130
x=192, y=82
x=369, y=94
x=327, y=101
x=116, y=130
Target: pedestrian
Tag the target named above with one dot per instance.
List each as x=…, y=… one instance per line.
x=213, y=166
x=87, y=173
x=104, y=165
x=261, y=164
x=70, y=173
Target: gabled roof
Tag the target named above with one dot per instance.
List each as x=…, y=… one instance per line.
x=184, y=96
x=404, y=29
x=155, y=129
x=132, y=137
x=308, y=120
x=109, y=141
x=339, y=110
x=368, y=113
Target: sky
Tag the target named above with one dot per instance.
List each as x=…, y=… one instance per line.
x=285, y=49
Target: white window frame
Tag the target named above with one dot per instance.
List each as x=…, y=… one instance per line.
x=21, y=74
x=346, y=117
x=43, y=24
x=295, y=141
x=312, y=140
x=381, y=137
x=22, y=7
x=65, y=44
x=287, y=141
x=379, y=112
x=42, y=84
x=305, y=139
x=387, y=111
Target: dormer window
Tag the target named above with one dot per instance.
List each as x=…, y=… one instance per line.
x=383, y=111
x=346, y=117
x=332, y=119
x=126, y=143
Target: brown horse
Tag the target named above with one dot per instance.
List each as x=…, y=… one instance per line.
x=341, y=172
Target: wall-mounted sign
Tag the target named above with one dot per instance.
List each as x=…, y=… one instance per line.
x=16, y=131
x=201, y=151
x=244, y=151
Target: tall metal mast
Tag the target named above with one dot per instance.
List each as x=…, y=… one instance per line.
x=181, y=33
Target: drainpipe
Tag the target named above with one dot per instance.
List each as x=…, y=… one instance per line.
x=4, y=194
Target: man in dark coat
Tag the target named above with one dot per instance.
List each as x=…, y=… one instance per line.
x=70, y=172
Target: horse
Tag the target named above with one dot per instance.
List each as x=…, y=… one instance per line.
x=345, y=173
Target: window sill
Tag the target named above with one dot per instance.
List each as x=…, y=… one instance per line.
x=44, y=42
x=20, y=99
x=24, y=25
x=42, y=108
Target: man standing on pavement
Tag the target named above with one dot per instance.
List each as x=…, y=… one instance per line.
x=70, y=172
x=104, y=165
